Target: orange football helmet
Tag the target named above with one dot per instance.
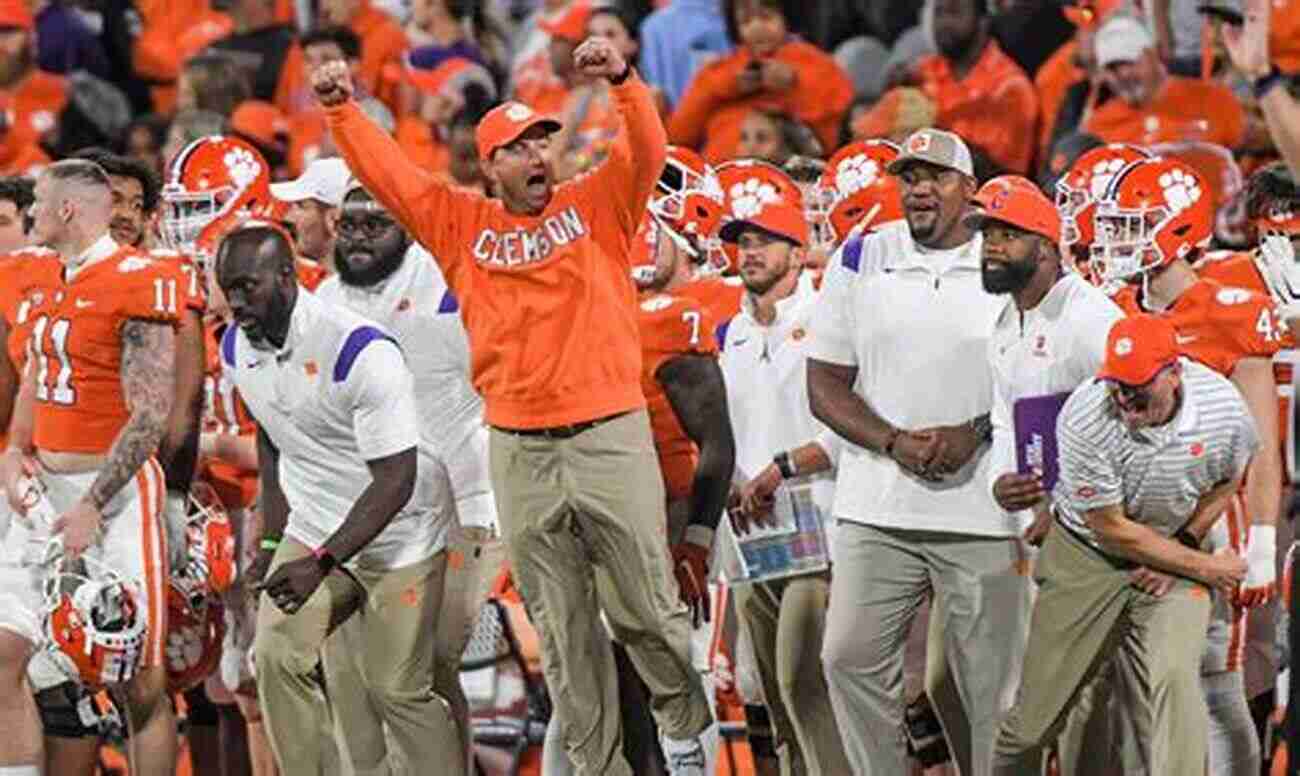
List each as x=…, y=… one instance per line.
x=212, y=178
x=210, y=540
x=746, y=184
x=1218, y=168
x=687, y=202
x=96, y=631
x=1078, y=190
x=855, y=189
x=1154, y=211
x=196, y=628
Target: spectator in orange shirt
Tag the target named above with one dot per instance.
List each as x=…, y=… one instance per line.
x=980, y=93
x=441, y=93
x=1139, y=102
x=771, y=70
x=35, y=98
x=382, y=41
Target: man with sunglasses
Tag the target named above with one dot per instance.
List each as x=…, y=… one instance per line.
x=1150, y=453
x=383, y=275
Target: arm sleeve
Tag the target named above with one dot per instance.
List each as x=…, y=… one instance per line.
x=636, y=158
x=1089, y=479
x=430, y=209
x=381, y=394
x=833, y=322
x=1004, y=435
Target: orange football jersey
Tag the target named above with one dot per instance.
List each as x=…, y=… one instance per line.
x=77, y=347
x=224, y=413
x=671, y=326
x=26, y=278
x=1219, y=325
x=188, y=276
x=720, y=297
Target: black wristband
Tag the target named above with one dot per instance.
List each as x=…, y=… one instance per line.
x=1185, y=538
x=1265, y=83
x=619, y=79
x=784, y=464
x=325, y=561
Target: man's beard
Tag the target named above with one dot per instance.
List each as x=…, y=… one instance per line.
x=762, y=285
x=378, y=270
x=1011, y=277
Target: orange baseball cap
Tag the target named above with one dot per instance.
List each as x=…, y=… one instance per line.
x=569, y=24
x=774, y=215
x=1137, y=348
x=1014, y=200
x=16, y=14
x=505, y=123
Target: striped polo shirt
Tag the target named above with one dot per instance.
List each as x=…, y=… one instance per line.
x=1157, y=474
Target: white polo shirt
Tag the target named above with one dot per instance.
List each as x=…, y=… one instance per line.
x=1052, y=348
x=336, y=395
x=1156, y=474
x=916, y=323
x=415, y=304
x=766, y=370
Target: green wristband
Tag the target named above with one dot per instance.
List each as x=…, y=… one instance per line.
x=269, y=543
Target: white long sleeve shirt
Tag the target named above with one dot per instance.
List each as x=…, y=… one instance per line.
x=916, y=324
x=1051, y=348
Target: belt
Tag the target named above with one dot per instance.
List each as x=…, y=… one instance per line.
x=560, y=432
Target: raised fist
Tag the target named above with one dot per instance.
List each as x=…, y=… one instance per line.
x=332, y=83
x=597, y=58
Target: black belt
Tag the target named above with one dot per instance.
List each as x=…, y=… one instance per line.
x=560, y=432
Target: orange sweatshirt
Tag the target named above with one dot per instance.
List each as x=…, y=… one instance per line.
x=547, y=300
x=712, y=111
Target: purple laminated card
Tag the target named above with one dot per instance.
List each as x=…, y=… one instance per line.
x=1034, y=420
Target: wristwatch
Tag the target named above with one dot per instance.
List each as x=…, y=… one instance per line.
x=784, y=464
x=325, y=560
x=1265, y=83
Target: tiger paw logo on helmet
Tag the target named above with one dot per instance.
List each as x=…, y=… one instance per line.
x=1103, y=172
x=242, y=166
x=856, y=173
x=748, y=197
x=1180, y=189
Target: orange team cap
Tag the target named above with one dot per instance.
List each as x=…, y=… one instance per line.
x=505, y=123
x=261, y=121
x=768, y=211
x=1014, y=200
x=1137, y=348
x=569, y=24
x=15, y=14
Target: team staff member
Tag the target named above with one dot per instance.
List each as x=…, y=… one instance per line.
x=1150, y=453
x=546, y=294
x=385, y=276
x=764, y=353
x=904, y=310
x=338, y=449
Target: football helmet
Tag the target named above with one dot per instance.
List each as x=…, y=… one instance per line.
x=94, y=628
x=746, y=185
x=1078, y=190
x=687, y=203
x=209, y=540
x=855, y=189
x=196, y=628
x=1217, y=167
x=212, y=178
x=1154, y=211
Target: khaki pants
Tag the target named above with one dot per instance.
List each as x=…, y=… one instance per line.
x=785, y=620
x=584, y=525
x=390, y=617
x=1086, y=614
x=978, y=620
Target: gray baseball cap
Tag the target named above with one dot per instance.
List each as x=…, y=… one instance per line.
x=936, y=147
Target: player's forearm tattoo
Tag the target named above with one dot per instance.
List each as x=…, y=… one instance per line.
x=148, y=358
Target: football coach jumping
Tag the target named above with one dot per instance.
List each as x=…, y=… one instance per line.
x=544, y=283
